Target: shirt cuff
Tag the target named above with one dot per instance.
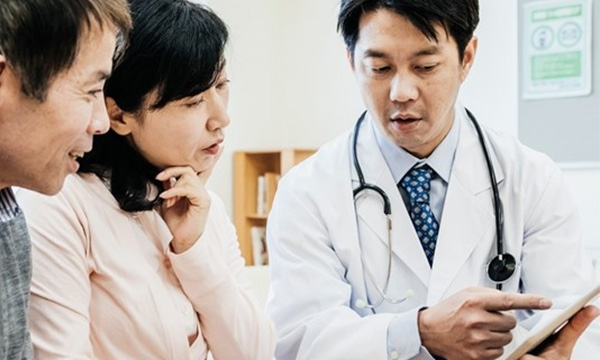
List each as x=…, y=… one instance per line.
x=403, y=340
x=201, y=263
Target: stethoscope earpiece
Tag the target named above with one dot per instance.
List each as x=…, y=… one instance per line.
x=365, y=304
x=501, y=268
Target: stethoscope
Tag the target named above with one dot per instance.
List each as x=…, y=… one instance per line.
x=499, y=269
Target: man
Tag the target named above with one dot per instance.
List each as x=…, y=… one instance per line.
x=54, y=58
x=349, y=282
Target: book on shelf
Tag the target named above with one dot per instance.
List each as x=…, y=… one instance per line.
x=271, y=180
x=267, y=186
x=260, y=256
x=260, y=195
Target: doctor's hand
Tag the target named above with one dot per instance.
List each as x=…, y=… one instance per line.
x=474, y=323
x=561, y=345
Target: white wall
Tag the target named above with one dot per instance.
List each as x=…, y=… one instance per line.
x=292, y=86
x=585, y=185
x=253, y=63
x=319, y=98
x=495, y=70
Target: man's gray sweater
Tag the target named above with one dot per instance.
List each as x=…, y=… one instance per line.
x=15, y=278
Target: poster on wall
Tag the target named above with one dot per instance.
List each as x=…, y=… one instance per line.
x=557, y=49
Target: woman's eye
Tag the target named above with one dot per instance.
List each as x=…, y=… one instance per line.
x=194, y=103
x=223, y=84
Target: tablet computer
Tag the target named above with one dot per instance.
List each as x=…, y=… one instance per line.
x=549, y=324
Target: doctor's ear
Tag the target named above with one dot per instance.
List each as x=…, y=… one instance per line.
x=350, y=58
x=469, y=56
x=120, y=121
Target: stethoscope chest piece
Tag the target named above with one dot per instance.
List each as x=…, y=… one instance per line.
x=501, y=267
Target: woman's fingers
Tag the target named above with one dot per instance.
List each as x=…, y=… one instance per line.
x=174, y=172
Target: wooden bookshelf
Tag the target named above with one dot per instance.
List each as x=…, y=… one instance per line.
x=247, y=167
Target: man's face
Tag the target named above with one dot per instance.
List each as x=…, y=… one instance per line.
x=40, y=141
x=409, y=83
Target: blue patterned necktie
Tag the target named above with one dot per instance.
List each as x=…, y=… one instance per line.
x=417, y=183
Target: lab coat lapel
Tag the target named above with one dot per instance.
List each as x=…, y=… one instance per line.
x=468, y=215
x=369, y=207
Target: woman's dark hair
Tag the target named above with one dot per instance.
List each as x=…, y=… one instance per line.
x=176, y=49
x=459, y=18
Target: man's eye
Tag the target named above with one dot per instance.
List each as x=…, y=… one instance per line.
x=426, y=68
x=380, y=70
x=95, y=93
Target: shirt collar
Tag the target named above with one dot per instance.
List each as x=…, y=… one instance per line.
x=8, y=205
x=400, y=161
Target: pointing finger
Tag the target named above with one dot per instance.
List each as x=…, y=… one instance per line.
x=510, y=301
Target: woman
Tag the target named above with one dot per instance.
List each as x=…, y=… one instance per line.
x=135, y=259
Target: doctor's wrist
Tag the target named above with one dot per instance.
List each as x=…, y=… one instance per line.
x=424, y=326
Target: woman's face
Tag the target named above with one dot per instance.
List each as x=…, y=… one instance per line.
x=186, y=132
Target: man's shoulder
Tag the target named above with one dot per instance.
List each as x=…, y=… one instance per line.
x=328, y=162
x=518, y=157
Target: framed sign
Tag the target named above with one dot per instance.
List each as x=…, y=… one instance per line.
x=557, y=49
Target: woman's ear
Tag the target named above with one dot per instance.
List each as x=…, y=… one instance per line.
x=2, y=64
x=120, y=121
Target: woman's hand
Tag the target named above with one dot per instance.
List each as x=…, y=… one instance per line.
x=186, y=204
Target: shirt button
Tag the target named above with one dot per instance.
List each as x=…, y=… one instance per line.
x=185, y=310
x=394, y=355
x=167, y=262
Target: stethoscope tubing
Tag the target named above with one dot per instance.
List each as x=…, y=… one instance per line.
x=496, y=266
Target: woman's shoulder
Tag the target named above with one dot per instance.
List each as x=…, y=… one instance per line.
x=80, y=195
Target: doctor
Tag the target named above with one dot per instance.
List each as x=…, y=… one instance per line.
x=380, y=244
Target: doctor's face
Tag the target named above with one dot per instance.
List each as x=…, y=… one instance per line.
x=408, y=82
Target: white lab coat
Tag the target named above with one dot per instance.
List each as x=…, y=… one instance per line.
x=313, y=237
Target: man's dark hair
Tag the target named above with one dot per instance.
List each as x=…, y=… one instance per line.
x=41, y=38
x=458, y=17
x=176, y=49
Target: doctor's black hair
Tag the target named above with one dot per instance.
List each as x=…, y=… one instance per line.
x=458, y=17
x=176, y=50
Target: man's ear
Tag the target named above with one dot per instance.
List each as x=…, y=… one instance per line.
x=2, y=69
x=350, y=58
x=120, y=121
x=3, y=75
x=10, y=84
x=469, y=57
